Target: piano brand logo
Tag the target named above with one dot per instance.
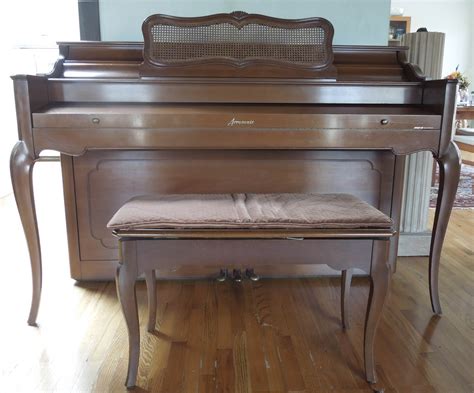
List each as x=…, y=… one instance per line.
x=235, y=122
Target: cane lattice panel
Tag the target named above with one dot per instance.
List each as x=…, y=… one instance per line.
x=238, y=40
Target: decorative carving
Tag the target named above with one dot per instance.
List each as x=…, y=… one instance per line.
x=238, y=14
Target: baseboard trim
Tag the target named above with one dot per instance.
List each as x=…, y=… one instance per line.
x=413, y=244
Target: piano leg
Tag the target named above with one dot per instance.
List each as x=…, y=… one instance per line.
x=346, y=280
x=380, y=272
x=449, y=171
x=21, y=167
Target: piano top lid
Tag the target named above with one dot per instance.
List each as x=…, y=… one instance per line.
x=122, y=60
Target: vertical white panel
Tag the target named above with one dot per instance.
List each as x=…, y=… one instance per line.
x=426, y=50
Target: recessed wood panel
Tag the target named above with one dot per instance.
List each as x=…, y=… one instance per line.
x=104, y=180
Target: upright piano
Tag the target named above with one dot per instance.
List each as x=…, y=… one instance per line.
x=222, y=104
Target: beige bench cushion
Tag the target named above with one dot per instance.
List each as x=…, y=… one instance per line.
x=248, y=211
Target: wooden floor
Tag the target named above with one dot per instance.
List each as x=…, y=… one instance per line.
x=270, y=336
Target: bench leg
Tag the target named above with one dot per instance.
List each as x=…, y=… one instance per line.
x=150, y=279
x=379, y=283
x=346, y=280
x=126, y=281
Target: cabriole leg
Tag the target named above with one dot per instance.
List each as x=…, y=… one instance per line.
x=126, y=280
x=346, y=280
x=379, y=284
x=150, y=279
x=21, y=169
x=449, y=171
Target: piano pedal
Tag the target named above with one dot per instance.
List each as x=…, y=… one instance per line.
x=223, y=274
x=237, y=276
x=250, y=274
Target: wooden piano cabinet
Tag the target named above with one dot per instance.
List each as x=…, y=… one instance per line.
x=345, y=129
x=99, y=182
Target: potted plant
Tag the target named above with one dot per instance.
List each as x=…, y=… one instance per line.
x=463, y=92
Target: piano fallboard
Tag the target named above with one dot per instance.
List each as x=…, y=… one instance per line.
x=75, y=127
x=234, y=115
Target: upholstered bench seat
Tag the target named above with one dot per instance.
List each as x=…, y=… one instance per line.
x=220, y=211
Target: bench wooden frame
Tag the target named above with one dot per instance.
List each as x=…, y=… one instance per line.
x=144, y=251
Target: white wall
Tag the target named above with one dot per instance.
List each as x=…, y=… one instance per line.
x=455, y=18
x=355, y=21
x=471, y=73
x=29, y=30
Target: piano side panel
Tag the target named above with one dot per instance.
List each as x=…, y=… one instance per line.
x=70, y=207
x=103, y=180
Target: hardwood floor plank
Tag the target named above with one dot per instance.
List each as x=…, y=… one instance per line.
x=224, y=315
x=225, y=372
x=289, y=365
x=276, y=382
x=165, y=334
x=243, y=382
x=301, y=323
x=192, y=363
x=173, y=378
x=210, y=334
x=207, y=384
x=252, y=339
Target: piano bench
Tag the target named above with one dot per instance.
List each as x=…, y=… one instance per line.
x=247, y=230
